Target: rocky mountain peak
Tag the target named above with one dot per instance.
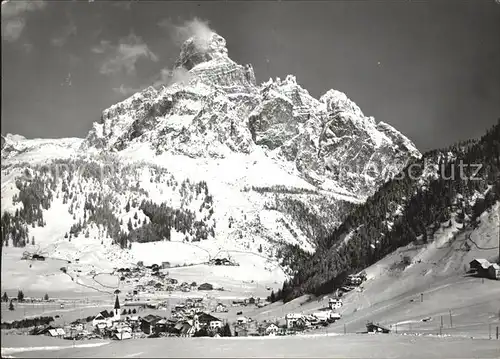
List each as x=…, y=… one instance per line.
x=201, y=48
x=219, y=110
x=337, y=102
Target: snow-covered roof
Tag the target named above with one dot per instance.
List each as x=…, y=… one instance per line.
x=482, y=262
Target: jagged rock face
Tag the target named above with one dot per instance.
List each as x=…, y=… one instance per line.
x=197, y=50
x=218, y=109
x=282, y=166
x=331, y=142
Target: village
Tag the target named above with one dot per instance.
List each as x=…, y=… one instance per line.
x=148, y=310
x=188, y=319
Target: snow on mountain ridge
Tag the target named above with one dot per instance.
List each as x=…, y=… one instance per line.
x=198, y=49
x=270, y=153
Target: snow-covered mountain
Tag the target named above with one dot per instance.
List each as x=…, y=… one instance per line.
x=237, y=165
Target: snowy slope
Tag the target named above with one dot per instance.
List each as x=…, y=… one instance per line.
x=277, y=166
x=391, y=295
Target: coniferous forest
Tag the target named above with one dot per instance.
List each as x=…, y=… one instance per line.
x=459, y=183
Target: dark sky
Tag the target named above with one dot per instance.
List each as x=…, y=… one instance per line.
x=429, y=68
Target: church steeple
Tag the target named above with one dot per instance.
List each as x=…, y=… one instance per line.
x=116, y=310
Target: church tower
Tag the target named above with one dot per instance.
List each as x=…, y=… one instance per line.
x=116, y=310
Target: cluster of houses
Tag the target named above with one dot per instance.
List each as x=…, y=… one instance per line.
x=308, y=321
x=223, y=262
x=250, y=301
x=187, y=319
x=152, y=279
x=189, y=308
x=185, y=327
x=34, y=257
x=483, y=268
x=352, y=281
x=120, y=326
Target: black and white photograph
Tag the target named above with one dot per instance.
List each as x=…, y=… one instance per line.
x=250, y=179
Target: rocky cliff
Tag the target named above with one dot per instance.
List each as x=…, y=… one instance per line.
x=235, y=164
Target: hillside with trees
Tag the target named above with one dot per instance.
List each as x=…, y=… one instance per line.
x=454, y=184
x=94, y=194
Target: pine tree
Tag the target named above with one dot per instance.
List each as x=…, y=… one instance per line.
x=129, y=225
x=46, y=297
x=226, y=331
x=33, y=240
x=11, y=306
x=272, y=297
x=127, y=207
x=5, y=297
x=135, y=215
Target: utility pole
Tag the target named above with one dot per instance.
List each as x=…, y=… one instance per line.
x=421, y=297
x=451, y=320
x=498, y=216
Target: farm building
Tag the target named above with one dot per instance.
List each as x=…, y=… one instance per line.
x=494, y=271
x=51, y=332
x=335, y=303
x=291, y=319
x=38, y=257
x=326, y=316
x=354, y=280
x=148, y=323
x=376, y=328
x=102, y=320
x=78, y=324
x=221, y=308
x=205, y=319
x=272, y=329
x=122, y=333
x=479, y=265
x=206, y=286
